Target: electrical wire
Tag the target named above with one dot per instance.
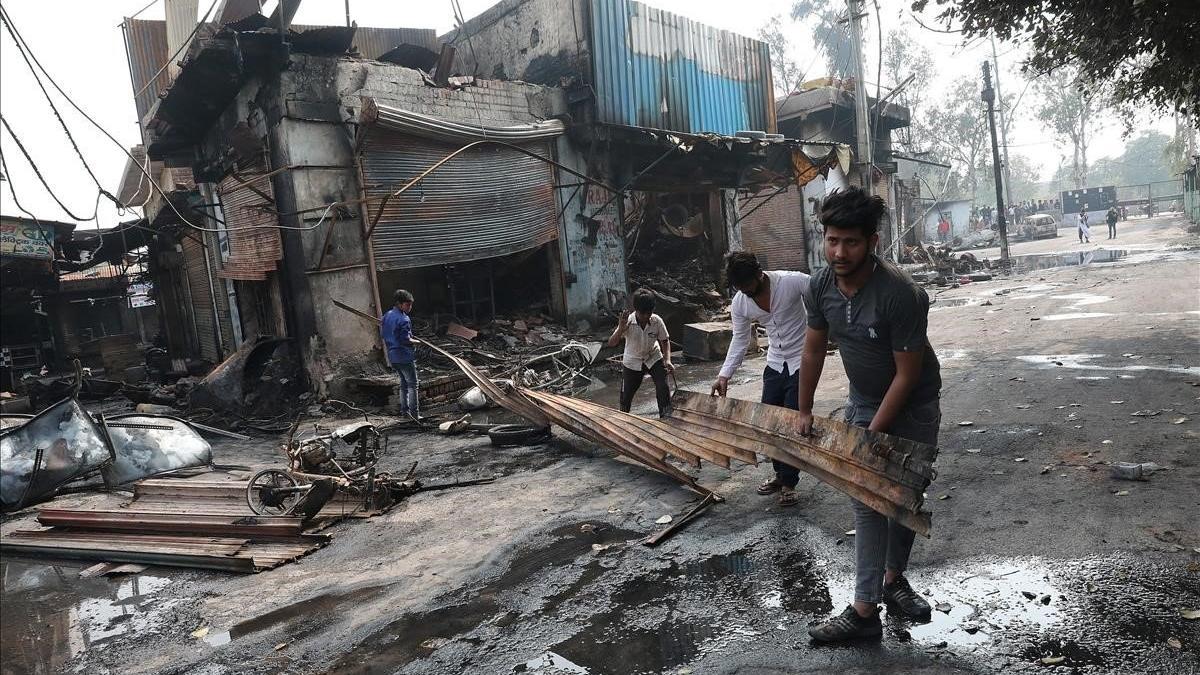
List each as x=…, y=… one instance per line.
x=38, y=173
x=58, y=116
x=13, y=190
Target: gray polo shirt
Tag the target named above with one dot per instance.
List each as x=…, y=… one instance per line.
x=889, y=314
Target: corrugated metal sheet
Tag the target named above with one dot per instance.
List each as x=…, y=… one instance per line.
x=775, y=230
x=374, y=42
x=887, y=473
x=656, y=69
x=486, y=202
x=146, y=48
x=255, y=251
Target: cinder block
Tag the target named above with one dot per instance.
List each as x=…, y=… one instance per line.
x=707, y=341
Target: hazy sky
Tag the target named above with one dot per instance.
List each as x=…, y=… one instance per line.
x=80, y=43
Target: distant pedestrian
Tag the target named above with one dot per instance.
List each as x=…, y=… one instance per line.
x=647, y=350
x=1085, y=234
x=943, y=228
x=1112, y=222
x=775, y=300
x=396, y=330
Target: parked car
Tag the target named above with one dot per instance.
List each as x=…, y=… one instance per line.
x=1038, y=226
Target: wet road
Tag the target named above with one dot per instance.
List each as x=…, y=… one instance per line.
x=1040, y=560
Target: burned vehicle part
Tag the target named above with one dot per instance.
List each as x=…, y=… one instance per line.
x=229, y=384
x=148, y=445
x=59, y=445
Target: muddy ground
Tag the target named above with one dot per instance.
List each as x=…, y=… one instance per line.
x=1036, y=554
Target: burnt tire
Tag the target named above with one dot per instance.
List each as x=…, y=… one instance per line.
x=517, y=434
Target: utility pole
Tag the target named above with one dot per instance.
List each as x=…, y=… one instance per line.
x=861, y=118
x=1003, y=126
x=989, y=96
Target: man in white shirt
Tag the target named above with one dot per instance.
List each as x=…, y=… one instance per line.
x=647, y=350
x=775, y=300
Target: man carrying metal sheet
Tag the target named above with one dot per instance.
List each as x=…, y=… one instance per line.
x=879, y=319
x=775, y=300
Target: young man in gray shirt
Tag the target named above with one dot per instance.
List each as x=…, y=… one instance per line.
x=879, y=319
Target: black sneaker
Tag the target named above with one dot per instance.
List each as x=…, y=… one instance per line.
x=899, y=594
x=847, y=626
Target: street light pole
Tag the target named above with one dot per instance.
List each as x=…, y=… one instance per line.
x=861, y=118
x=989, y=96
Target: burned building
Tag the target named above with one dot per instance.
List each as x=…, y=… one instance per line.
x=303, y=170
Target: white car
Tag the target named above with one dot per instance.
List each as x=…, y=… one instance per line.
x=1038, y=226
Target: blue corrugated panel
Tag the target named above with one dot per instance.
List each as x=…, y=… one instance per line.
x=656, y=69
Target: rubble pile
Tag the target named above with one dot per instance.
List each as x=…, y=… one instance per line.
x=941, y=266
x=683, y=287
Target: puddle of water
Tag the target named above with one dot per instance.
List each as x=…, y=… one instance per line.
x=51, y=615
x=1083, y=362
x=1040, y=261
x=947, y=303
x=1082, y=299
x=1076, y=315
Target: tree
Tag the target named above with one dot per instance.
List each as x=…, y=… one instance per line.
x=830, y=33
x=1070, y=110
x=903, y=56
x=959, y=134
x=1135, y=51
x=785, y=70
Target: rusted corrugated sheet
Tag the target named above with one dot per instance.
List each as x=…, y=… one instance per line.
x=657, y=69
x=774, y=231
x=179, y=523
x=146, y=48
x=487, y=202
x=255, y=246
x=372, y=43
x=231, y=554
x=887, y=473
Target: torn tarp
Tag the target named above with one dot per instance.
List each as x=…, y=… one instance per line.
x=58, y=445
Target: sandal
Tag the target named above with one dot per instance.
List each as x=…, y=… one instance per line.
x=770, y=487
x=788, y=496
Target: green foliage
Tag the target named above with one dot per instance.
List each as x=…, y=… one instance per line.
x=1069, y=110
x=1136, y=52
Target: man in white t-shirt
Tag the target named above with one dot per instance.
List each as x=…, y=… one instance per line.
x=647, y=350
x=775, y=300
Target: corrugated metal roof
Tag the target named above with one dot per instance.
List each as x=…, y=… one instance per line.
x=374, y=42
x=146, y=48
x=657, y=69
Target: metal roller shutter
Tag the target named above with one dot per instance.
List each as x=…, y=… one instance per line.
x=255, y=251
x=201, y=297
x=487, y=202
x=775, y=230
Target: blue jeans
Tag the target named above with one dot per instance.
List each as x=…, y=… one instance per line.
x=879, y=541
x=782, y=389
x=408, y=388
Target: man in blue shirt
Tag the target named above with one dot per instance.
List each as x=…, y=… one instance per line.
x=396, y=330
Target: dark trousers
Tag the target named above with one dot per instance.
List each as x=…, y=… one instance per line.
x=782, y=389
x=632, y=380
x=1112, y=230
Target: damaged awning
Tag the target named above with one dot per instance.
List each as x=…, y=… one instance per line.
x=887, y=473
x=426, y=126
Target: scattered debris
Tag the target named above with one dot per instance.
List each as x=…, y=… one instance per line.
x=199, y=633
x=1146, y=413
x=663, y=520
x=851, y=533
x=455, y=427
x=1190, y=614
x=1121, y=493
x=659, y=537
x=1028, y=595
x=1179, y=420
x=966, y=423
x=1019, y=459
x=1133, y=471
x=974, y=451
x=1052, y=660
x=943, y=607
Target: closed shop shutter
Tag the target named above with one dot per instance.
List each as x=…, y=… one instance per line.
x=201, y=297
x=255, y=246
x=775, y=230
x=487, y=202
